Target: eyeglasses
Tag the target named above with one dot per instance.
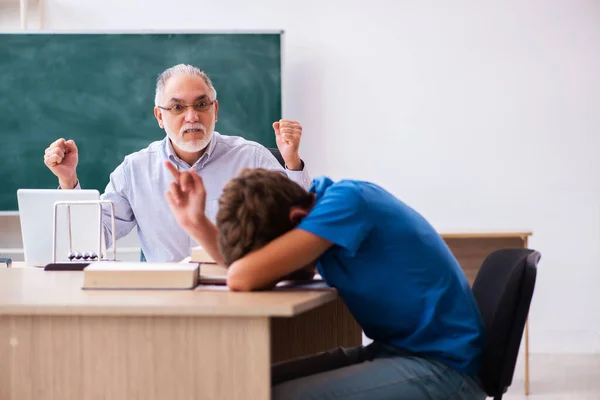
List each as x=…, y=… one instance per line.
x=177, y=109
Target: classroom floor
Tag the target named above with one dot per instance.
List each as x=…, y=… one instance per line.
x=558, y=377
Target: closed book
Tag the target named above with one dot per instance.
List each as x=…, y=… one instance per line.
x=140, y=275
x=200, y=255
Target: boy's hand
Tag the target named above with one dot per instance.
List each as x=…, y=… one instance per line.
x=186, y=197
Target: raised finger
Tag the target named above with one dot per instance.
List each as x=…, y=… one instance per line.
x=186, y=181
x=198, y=181
x=175, y=191
x=173, y=170
x=170, y=198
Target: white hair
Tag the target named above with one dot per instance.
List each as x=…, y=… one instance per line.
x=177, y=70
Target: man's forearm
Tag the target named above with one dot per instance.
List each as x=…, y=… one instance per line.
x=68, y=183
x=205, y=233
x=294, y=164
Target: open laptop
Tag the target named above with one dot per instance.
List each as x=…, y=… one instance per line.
x=36, y=212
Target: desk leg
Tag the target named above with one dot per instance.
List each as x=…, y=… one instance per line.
x=526, y=245
x=527, y=357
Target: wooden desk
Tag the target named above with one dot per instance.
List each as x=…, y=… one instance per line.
x=58, y=341
x=471, y=248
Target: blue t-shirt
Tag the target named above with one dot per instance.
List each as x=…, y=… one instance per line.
x=395, y=273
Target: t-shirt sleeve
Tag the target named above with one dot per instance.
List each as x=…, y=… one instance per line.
x=340, y=216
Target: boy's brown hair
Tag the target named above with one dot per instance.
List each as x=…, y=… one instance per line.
x=254, y=209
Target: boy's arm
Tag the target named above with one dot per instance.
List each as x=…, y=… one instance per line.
x=187, y=200
x=205, y=233
x=263, y=268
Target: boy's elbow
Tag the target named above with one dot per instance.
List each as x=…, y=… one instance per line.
x=238, y=281
x=238, y=285
x=243, y=285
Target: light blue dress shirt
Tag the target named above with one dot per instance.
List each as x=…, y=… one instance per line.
x=137, y=188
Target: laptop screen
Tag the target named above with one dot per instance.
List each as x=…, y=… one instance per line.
x=36, y=213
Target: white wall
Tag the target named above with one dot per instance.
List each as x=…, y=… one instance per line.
x=480, y=116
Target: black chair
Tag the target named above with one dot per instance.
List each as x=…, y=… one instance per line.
x=277, y=155
x=503, y=289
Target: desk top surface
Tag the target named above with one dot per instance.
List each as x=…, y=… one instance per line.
x=485, y=234
x=33, y=291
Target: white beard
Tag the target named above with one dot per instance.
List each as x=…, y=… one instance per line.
x=191, y=146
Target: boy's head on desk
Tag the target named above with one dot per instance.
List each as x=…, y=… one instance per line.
x=255, y=208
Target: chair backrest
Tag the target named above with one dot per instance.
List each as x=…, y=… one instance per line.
x=277, y=155
x=503, y=289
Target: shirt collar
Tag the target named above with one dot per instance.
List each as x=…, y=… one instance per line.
x=211, y=146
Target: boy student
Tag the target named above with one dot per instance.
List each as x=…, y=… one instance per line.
x=394, y=272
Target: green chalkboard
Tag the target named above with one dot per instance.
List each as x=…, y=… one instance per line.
x=98, y=89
